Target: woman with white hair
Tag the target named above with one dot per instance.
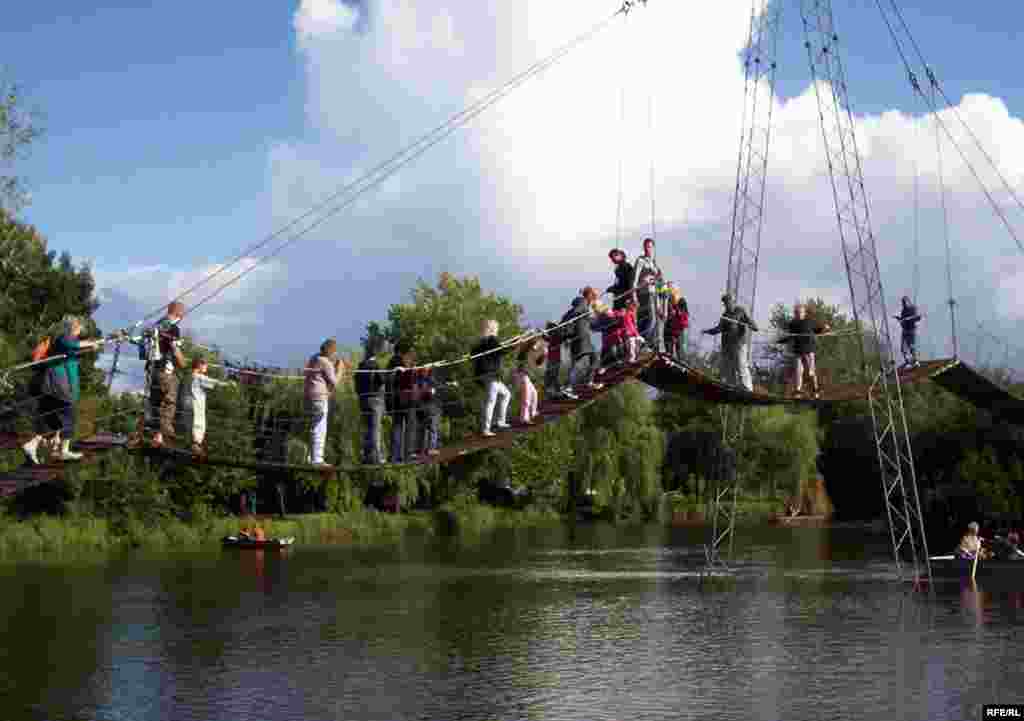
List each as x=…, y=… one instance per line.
x=61, y=390
x=487, y=369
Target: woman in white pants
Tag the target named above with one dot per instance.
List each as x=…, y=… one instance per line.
x=322, y=374
x=487, y=369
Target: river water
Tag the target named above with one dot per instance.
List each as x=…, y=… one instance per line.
x=595, y=623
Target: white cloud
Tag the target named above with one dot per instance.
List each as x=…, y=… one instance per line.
x=526, y=195
x=315, y=18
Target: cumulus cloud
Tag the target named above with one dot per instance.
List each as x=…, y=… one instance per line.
x=323, y=17
x=128, y=295
x=527, y=196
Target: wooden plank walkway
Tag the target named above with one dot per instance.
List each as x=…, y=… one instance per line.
x=549, y=412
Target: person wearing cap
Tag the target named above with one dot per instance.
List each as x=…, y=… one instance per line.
x=623, y=278
x=970, y=544
x=908, y=318
x=646, y=275
x=735, y=326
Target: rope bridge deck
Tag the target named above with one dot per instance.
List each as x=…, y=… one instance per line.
x=658, y=371
x=549, y=412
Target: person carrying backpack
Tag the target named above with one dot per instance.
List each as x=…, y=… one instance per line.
x=59, y=391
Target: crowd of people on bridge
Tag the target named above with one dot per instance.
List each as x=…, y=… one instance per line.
x=645, y=311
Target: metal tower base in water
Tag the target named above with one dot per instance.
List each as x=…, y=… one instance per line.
x=759, y=66
x=892, y=438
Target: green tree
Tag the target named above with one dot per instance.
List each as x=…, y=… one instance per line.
x=19, y=128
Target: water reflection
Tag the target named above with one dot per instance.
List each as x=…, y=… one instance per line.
x=606, y=624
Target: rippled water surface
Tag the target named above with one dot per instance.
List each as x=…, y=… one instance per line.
x=600, y=623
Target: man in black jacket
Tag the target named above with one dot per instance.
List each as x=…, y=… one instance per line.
x=581, y=347
x=803, y=333
x=370, y=387
x=623, y=278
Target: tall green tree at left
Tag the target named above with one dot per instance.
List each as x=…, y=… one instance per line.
x=19, y=128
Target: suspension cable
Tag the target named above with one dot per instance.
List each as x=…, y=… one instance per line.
x=945, y=229
x=933, y=80
x=915, y=84
x=350, y=192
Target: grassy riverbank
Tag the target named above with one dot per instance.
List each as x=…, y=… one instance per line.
x=76, y=535
x=85, y=534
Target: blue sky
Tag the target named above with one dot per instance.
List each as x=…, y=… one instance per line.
x=181, y=133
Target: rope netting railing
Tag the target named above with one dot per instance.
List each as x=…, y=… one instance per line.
x=241, y=423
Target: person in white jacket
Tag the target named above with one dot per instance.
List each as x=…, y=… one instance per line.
x=192, y=402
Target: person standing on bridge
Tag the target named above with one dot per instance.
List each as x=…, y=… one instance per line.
x=487, y=369
x=908, y=318
x=370, y=388
x=581, y=345
x=802, y=333
x=61, y=390
x=322, y=373
x=736, y=328
x=676, y=322
x=623, y=278
x=646, y=276
x=192, y=403
x=402, y=394
x=165, y=361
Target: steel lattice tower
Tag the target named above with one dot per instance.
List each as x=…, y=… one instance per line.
x=885, y=397
x=759, y=66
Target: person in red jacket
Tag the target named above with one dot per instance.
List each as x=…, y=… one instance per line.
x=677, y=323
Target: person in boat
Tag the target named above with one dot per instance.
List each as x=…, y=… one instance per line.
x=908, y=318
x=970, y=545
x=58, y=402
x=802, y=333
x=646, y=276
x=736, y=328
x=402, y=406
x=487, y=369
x=370, y=385
x=428, y=410
x=553, y=361
x=623, y=278
x=583, y=366
x=192, y=403
x=164, y=362
x=322, y=373
x=677, y=321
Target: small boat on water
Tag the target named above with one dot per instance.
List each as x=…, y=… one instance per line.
x=782, y=519
x=245, y=542
x=1008, y=572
